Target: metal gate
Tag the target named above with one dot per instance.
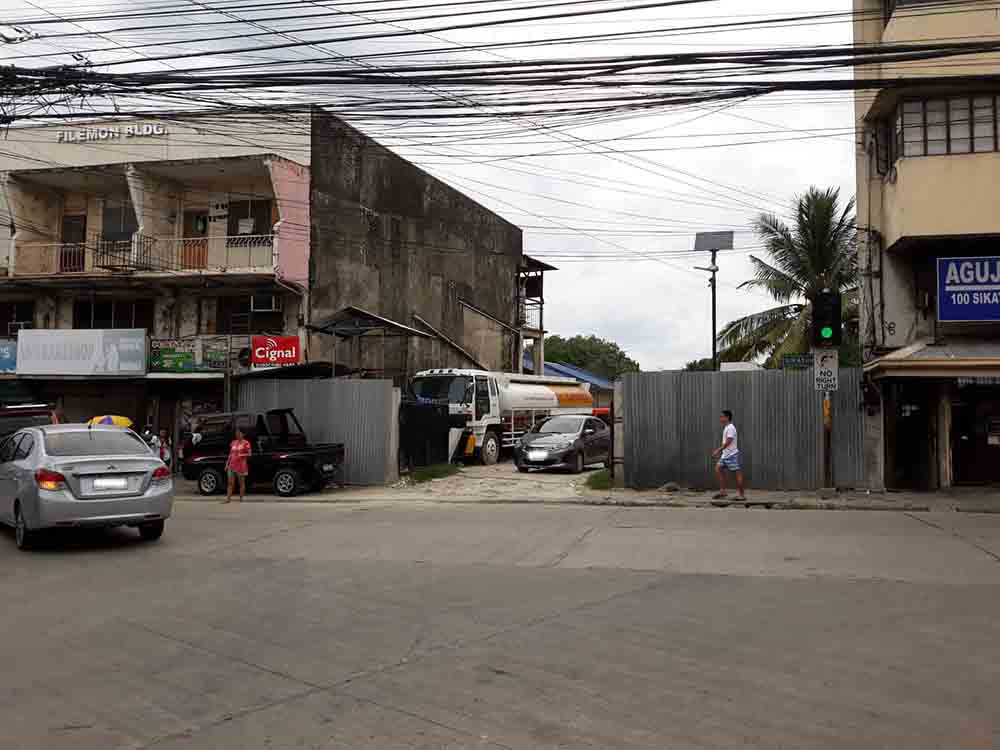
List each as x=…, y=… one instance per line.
x=671, y=426
x=361, y=414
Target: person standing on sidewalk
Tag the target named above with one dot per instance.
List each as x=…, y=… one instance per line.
x=236, y=465
x=728, y=455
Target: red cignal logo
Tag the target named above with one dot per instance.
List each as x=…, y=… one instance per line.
x=274, y=350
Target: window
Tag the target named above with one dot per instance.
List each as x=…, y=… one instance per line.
x=113, y=313
x=14, y=313
x=559, y=426
x=913, y=129
x=958, y=125
x=24, y=447
x=984, y=123
x=7, y=449
x=95, y=443
x=482, y=398
x=119, y=222
x=251, y=217
x=235, y=317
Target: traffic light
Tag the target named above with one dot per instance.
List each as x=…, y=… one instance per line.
x=826, y=319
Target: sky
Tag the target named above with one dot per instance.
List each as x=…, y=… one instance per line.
x=608, y=220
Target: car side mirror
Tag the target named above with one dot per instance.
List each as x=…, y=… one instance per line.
x=589, y=431
x=263, y=443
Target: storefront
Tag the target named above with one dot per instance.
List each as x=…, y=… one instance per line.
x=940, y=408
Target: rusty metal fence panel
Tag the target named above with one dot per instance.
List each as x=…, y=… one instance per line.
x=671, y=427
x=361, y=414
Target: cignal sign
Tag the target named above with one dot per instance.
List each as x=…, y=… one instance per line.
x=274, y=351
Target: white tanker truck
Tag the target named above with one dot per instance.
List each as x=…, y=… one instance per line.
x=492, y=410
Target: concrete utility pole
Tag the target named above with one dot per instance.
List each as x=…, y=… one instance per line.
x=713, y=242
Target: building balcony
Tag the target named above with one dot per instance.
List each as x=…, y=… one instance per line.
x=245, y=254
x=940, y=196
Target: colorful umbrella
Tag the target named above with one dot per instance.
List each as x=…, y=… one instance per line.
x=112, y=420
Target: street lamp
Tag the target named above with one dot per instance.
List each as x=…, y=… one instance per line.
x=713, y=242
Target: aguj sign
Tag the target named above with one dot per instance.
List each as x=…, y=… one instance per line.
x=271, y=351
x=968, y=289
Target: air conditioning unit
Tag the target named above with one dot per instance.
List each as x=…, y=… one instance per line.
x=13, y=328
x=265, y=303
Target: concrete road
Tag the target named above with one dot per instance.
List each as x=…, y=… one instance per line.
x=384, y=626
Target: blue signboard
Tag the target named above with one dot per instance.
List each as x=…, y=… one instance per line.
x=968, y=290
x=8, y=356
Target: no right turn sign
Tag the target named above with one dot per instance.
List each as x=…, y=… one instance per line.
x=826, y=370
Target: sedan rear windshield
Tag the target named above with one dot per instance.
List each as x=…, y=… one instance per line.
x=95, y=443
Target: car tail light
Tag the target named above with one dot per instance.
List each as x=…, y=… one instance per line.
x=161, y=474
x=49, y=480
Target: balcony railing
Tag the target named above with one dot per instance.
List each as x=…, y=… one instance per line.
x=255, y=253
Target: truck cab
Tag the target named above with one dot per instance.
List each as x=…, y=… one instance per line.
x=490, y=411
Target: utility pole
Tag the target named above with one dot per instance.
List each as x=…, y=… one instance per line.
x=713, y=242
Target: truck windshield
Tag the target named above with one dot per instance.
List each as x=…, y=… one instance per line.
x=455, y=389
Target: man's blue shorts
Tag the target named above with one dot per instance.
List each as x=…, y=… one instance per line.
x=732, y=463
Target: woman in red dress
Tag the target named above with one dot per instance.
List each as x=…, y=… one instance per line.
x=236, y=465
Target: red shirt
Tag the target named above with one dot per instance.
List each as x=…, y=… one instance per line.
x=238, y=452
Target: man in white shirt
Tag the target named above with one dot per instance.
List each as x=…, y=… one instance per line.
x=728, y=455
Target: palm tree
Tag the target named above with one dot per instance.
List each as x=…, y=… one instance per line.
x=818, y=252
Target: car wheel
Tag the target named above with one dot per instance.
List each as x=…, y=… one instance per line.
x=287, y=482
x=578, y=464
x=24, y=537
x=489, y=454
x=522, y=469
x=152, y=531
x=211, y=482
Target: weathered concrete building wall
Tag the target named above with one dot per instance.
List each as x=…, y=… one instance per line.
x=388, y=237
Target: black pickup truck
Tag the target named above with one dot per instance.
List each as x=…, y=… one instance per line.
x=281, y=454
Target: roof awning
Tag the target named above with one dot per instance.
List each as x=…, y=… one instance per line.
x=959, y=358
x=353, y=321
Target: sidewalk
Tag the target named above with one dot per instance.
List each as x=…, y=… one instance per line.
x=498, y=485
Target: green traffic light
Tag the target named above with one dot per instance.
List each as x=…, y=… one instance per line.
x=826, y=332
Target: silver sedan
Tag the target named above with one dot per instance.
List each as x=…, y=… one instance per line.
x=75, y=475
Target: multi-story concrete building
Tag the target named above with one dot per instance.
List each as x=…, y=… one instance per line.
x=199, y=233
x=928, y=175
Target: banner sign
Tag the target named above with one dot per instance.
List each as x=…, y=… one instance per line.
x=8, y=355
x=273, y=351
x=115, y=352
x=968, y=290
x=187, y=355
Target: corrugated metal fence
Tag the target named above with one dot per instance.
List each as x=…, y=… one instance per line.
x=361, y=414
x=671, y=426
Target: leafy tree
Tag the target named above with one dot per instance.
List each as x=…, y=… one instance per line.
x=597, y=355
x=699, y=364
x=819, y=251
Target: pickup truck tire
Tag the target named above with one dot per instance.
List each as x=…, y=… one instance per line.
x=211, y=482
x=489, y=453
x=287, y=482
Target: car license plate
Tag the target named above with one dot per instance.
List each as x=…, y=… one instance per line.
x=111, y=483
x=327, y=467
x=537, y=455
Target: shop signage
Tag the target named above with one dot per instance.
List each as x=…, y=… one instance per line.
x=113, y=132
x=826, y=370
x=968, y=290
x=272, y=351
x=115, y=352
x=187, y=355
x=8, y=355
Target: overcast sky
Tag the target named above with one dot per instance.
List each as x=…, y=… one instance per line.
x=659, y=178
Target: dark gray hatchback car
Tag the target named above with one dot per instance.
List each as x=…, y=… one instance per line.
x=567, y=441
